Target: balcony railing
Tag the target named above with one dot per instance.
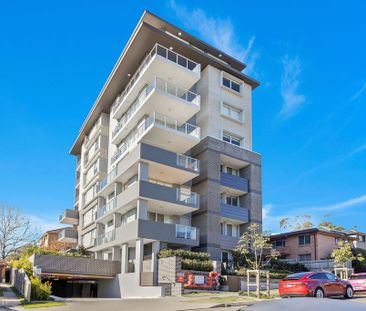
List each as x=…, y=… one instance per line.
x=158, y=119
x=159, y=84
x=105, y=238
x=162, y=120
x=163, y=52
x=111, y=205
x=187, y=162
x=108, y=179
x=185, y=232
x=187, y=197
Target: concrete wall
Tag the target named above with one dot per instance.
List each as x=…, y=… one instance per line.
x=212, y=93
x=109, y=288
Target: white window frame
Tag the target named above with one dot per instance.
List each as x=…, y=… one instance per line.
x=234, y=228
x=232, y=80
x=231, y=137
x=232, y=109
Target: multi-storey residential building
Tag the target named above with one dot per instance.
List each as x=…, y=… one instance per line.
x=164, y=158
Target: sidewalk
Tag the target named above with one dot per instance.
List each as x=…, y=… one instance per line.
x=9, y=299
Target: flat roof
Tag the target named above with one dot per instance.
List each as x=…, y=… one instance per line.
x=150, y=30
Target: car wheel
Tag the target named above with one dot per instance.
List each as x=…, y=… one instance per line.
x=349, y=292
x=319, y=293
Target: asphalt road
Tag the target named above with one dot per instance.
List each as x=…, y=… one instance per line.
x=308, y=304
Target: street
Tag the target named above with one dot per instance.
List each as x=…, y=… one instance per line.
x=306, y=304
x=186, y=304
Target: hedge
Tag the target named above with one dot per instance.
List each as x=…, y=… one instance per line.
x=184, y=254
x=197, y=265
x=273, y=274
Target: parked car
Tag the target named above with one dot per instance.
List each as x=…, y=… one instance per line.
x=314, y=284
x=358, y=282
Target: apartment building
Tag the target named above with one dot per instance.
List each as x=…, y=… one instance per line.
x=164, y=157
x=309, y=244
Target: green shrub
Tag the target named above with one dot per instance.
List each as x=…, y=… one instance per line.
x=273, y=274
x=288, y=267
x=40, y=291
x=197, y=265
x=23, y=263
x=184, y=254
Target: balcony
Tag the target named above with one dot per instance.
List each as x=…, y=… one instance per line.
x=108, y=207
x=170, y=66
x=235, y=214
x=69, y=217
x=160, y=130
x=172, y=200
x=185, y=232
x=235, y=184
x=68, y=235
x=175, y=234
x=162, y=97
x=228, y=242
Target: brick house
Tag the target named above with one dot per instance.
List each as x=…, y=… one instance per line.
x=308, y=244
x=50, y=239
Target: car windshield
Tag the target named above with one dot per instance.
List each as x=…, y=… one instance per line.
x=358, y=277
x=296, y=276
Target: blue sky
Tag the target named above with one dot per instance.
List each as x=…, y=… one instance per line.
x=308, y=114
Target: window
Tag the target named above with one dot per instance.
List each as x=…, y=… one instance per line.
x=279, y=243
x=230, y=230
x=231, y=112
x=318, y=276
x=232, y=171
x=234, y=201
x=235, y=140
x=304, y=239
x=235, y=86
x=361, y=238
x=304, y=257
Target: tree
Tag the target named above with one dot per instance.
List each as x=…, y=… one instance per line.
x=15, y=230
x=343, y=254
x=257, y=250
x=256, y=247
x=330, y=225
x=297, y=223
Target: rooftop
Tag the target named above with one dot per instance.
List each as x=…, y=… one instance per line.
x=150, y=30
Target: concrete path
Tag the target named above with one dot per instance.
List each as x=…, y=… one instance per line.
x=9, y=299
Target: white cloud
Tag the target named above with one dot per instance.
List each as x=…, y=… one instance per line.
x=343, y=205
x=359, y=92
x=292, y=99
x=219, y=32
x=358, y=150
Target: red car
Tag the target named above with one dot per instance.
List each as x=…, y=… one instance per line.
x=314, y=284
x=358, y=282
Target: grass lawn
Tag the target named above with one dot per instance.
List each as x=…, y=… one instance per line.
x=43, y=304
x=1, y=292
x=38, y=304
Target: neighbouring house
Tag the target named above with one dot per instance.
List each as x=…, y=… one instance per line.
x=308, y=244
x=358, y=238
x=50, y=240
